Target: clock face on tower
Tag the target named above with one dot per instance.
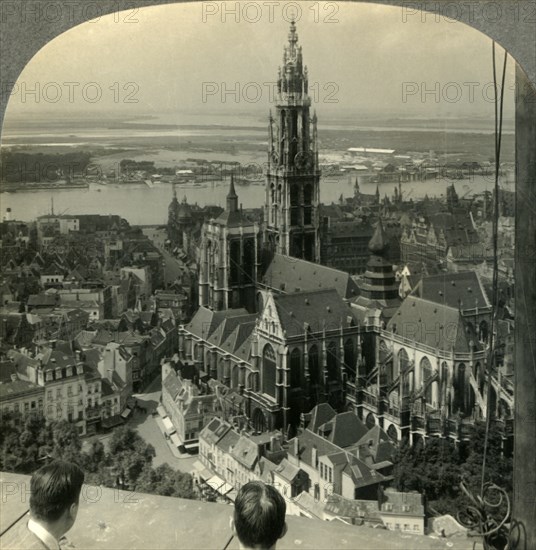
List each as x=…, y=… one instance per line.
x=303, y=160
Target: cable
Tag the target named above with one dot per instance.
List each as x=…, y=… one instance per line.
x=16, y=520
x=228, y=542
x=498, y=104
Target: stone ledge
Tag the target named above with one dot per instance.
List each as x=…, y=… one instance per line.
x=111, y=519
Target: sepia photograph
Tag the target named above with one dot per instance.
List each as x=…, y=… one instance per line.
x=268, y=275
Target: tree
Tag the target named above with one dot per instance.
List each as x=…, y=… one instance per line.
x=166, y=481
x=432, y=469
x=95, y=457
x=438, y=467
x=129, y=455
x=27, y=446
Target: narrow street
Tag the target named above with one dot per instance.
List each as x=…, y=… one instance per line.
x=172, y=267
x=145, y=425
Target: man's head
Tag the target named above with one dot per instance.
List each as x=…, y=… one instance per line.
x=259, y=515
x=55, y=492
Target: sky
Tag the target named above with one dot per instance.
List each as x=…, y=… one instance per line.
x=183, y=58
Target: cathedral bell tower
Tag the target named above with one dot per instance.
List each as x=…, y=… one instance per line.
x=293, y=178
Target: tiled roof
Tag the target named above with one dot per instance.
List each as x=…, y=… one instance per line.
x=308, y=440
x=214, y=430
x=233, y=219
x=21, y=361
x=374, y=435
x=399, y=500
x=360, y=473
x=287, y=274
x=287, y=470
x=229, y=439
x=340, y=506
x=103, y=337
x=85, y=338
x=375, y=445
x=449, y=288
x=266, y=468
x=16, y=388
x=333, y=211
x=320, y=415
x=53, y=359
x=205, y=321
x=226, y=328
x=457, y=228
x=345, y=429
x=41, y=300
x=435, y=325
x=246, y=452
x=320, y=308
x=238, y=341
x=172, y=385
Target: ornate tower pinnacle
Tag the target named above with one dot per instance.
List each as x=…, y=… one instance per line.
x=293, y=175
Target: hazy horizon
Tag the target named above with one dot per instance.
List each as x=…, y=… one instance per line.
x=170, y=61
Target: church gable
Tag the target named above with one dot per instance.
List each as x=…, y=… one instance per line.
x=269, y=319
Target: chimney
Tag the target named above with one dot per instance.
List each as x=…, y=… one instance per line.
x=273, y=443
x=297, y=447
x=314, y=456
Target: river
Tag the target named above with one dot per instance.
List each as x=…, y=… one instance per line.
x=141, y=205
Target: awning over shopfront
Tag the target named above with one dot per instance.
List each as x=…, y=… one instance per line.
x=202, y=472
x=231, y=495
x=168, y=425
x=225, y=488
x=112, y=421
x=215, y=482
x=126, y=413
x=175, y=440
x=190, y=446
x=161, y=411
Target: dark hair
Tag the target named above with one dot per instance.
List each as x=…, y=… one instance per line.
x=259, y=515
x=54, y=488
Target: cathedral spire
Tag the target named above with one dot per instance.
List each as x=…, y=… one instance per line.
x=293, y=174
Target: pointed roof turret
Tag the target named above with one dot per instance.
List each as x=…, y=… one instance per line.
x=378, y=286
x=380, y=242
x=232, y=216
x=232, y=197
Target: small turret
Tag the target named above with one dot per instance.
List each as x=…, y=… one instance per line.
x=232, y=198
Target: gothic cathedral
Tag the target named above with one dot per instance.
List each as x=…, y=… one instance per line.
x=231, y=244
x=291, y=215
